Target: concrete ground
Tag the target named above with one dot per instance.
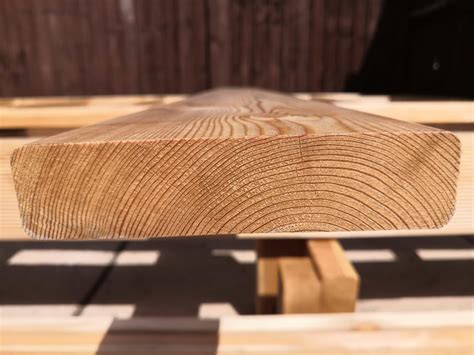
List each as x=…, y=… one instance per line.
x=211, y=277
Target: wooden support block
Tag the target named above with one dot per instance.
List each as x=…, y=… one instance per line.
x=236, y=161
x=339, y=280
x=299, y=286
x=268, y=252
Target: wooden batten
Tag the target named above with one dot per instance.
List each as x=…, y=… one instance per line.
x=338, y=278
x=299, y=286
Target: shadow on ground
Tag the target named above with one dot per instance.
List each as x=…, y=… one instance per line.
x=205, y=276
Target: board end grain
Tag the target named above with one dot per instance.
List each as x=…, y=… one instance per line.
x=236, y=161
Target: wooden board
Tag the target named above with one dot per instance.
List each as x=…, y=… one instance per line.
x=338, y=279
x=460, y=224
x=236, y=161
x=299, y=286
x=72, y=112
x=439, y=333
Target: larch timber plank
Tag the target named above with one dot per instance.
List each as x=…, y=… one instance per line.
x=236, y=161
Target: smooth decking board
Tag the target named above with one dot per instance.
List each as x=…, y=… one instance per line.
x=440, y=333
x=236, y=161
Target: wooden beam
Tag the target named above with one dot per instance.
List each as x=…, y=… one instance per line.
x=236, y=161
x=338, y=278
x=299, y=286
x=460, y=223
x=405, y=333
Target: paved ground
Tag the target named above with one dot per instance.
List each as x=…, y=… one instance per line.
x=209, y=277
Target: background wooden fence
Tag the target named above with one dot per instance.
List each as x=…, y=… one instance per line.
x=76, y=47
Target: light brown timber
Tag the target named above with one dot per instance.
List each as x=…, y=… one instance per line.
x=338, y=279
x=460, y=224
x=236, y=161
x=299, y=286
x=73, y=112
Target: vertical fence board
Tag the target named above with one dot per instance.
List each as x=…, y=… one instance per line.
x=344, y=50
x=244, y=25
x=316, y=50
x=295, y=43
x=192, y=44
x=358, y=40
x=260, y=58
x=330, y=45
x=220, y=42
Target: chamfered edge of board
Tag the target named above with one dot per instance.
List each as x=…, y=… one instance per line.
x=53, y=209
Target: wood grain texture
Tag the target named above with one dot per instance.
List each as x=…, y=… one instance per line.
x=460, y=224
x=338, y=279
x=236, y=161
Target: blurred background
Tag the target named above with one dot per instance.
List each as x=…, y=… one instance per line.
x=90, y=47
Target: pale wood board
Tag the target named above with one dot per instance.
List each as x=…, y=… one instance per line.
x=426, y=112
x=368, y=333
x=299, y=286
x=338, y=279
x=236, y=161
x=73, y=112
